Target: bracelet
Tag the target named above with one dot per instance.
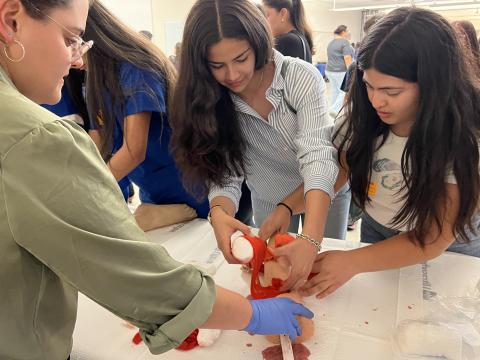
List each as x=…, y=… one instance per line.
x=288, y=207
x=311, y=240
x=209, y=216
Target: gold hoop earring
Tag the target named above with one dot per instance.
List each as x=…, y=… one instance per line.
x=5, y=50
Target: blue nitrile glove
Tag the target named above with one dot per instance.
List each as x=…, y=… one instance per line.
x=276, y=316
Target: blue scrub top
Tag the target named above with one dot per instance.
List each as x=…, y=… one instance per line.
x=64, y=107
x=157, y=176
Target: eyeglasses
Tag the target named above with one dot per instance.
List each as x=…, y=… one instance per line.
x=78, y=46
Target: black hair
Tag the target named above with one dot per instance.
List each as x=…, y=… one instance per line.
x=445, y=134
x=297, y=15
x=340, y=29
x=207, y=142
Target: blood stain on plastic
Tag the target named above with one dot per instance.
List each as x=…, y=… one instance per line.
x=137, y=339
x=300, y=352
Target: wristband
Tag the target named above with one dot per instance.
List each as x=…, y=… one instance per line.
x=288, y=207
x=209, y=216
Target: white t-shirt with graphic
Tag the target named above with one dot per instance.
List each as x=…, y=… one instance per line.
x=387, y=180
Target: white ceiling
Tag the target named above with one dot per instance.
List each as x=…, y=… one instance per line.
x=433, y=3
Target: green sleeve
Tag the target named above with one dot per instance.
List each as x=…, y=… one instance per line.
x=65, y=208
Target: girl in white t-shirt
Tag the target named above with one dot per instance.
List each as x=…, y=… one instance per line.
x=409, y=147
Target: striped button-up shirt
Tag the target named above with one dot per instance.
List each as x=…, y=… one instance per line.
x=292, y=146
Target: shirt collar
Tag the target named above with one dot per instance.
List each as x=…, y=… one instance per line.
x=278, y=82
x=5, y=78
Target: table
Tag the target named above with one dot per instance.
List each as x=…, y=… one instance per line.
x=356, y=322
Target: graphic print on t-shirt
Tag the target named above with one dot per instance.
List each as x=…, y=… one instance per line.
x=390, y=174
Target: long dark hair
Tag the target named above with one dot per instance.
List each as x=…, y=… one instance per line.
x=297, y=16
x=115, y=43
x=75, y=84
x=207, y=142
x=445, y=133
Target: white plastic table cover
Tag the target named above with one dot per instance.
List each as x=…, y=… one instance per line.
x=355, y=322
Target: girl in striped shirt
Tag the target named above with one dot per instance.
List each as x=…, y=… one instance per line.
x=243, y=110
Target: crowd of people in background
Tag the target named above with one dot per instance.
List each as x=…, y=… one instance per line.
x=235, y=126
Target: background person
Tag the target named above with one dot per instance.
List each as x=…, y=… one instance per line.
x=340, y=56
x=290, y=28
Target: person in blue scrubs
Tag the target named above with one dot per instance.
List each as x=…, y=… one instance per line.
x=157, y=176
x=128, y=85
x=72, y=104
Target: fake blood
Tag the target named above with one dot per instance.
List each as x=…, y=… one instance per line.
x=190, y=342
x=300, y=352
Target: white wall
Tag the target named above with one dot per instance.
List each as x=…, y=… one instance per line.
x=137, y=14
x=472, y=15
x=323, y=22
x=165, y=19
x=168, y=19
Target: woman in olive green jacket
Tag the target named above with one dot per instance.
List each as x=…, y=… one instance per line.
x=63, y=224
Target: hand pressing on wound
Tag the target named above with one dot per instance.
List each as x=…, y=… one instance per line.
x=277, y=316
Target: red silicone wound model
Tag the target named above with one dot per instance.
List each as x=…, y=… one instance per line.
x=261, y=253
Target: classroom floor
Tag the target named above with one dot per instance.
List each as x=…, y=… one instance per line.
x=354, y=235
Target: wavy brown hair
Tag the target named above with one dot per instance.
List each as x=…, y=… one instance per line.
x=419, y=46
x=467, y=35
x=207, y=142
x=115, y=43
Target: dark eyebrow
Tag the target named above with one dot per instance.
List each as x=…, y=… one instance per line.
x=236, y=58
x=384, y=88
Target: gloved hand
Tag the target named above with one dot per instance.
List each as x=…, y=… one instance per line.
x=276, y=316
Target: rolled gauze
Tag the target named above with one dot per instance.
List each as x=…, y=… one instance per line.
x=206, y=337
x=428, y=339
x=241, y=249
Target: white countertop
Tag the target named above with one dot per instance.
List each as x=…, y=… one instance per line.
x=356, y=322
